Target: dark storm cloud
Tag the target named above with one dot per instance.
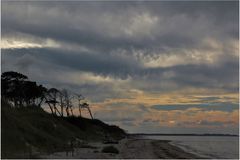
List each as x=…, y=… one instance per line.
x=102, y=26
x=110, y=28
x=80, y=22
x=120, y=67
x=224, y=76
x=49, y=67
x=115, y=66
x=208, y=76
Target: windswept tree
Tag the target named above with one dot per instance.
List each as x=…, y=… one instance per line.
x=18, y=89
x=51, y=99
x=80, y=98
x=67, y=101
x=42, y=92
x=32, y=93
x=61, y=98
x=12, y=86
x=82, y=104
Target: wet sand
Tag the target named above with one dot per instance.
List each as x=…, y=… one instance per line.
x=128, y=149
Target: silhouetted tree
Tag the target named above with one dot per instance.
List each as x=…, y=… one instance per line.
x=51, y=100
x=67, y=101
x=18, y=89
x=42, y=92
x=61, y=103
x=82, y=105
x=12, y=86
x=31, y=92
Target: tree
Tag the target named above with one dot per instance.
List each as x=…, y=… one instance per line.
x=11, y=75
x=18, y=89
x=12, y=86
x=42, y=92
x=51, y=100
x=82, y=105
x=67, y=101
x=32, y=92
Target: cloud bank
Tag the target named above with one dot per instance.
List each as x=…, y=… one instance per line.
x=130, y=52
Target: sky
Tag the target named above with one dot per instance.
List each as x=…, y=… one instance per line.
x=148, y=67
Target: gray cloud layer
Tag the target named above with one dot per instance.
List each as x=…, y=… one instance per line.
x=123, y=39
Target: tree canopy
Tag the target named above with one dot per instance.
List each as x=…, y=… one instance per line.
x=18, y=89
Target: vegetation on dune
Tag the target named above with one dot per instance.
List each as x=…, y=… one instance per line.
x=27, y=130
x=17, y=89
x=30, y=131
x=21, y=92
x=110, y=149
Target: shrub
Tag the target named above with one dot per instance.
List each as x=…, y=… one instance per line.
x=110, y=149
x=87, y=146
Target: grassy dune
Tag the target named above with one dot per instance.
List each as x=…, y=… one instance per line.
x=29, y=131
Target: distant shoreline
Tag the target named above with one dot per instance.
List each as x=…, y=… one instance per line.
x=160, y=134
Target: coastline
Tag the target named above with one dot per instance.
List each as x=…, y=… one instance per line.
x=129, y=148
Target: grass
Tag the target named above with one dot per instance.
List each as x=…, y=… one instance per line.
x=110, y=149
x=30, y=130
x=87, y=146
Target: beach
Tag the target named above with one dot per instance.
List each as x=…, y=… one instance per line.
x=129, y=148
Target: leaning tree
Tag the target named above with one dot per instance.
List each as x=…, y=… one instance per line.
x=51, y=97
x=82, y=104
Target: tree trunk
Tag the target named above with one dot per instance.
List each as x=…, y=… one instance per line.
x=90, y=112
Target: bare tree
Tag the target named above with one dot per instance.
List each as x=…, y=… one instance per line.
x=83, y=105
x=67, y=101
x=51, y=100
x=80, y=98
x=61, y=97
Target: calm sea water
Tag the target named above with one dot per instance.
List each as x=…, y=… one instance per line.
x=205, y=146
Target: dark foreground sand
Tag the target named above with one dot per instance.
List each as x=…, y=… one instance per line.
x=128, y=149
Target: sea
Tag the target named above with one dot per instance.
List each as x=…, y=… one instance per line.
x=214, y=147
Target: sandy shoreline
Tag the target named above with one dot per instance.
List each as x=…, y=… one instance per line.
x=128, y=149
